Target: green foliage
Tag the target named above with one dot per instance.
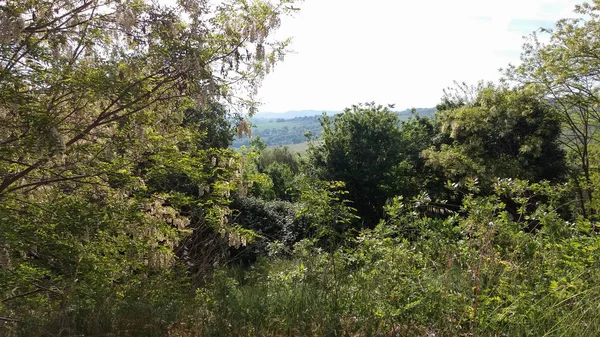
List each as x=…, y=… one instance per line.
x=474, y=275
x=114, y=180
x=274, y=222
x=376, y=156
x=361, y=147
x=281, y=155
x=324, y=203
x=212, y=122
x=121, y=203
x=281, y=166
x=501, y=133
x=283, y=181
x=414, y=175
x=81, y=253
x=563, y=69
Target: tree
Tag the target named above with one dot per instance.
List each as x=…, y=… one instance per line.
x=566, y=69
x=362, y=147
x=278, y=154
x=102, y=107
x=501, y=133
x=72, y=76
x=213, y=122
x=418, y=134
x=282, y=167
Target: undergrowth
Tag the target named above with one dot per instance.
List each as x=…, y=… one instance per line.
x=417, y=275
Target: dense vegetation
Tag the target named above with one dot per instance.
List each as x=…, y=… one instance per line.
x=124, y=211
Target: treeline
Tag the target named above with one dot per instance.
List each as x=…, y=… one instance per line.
x=124, y=211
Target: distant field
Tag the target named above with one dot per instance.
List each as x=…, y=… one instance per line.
x=300, y=148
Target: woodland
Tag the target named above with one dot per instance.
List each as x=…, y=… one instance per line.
x=124, y=210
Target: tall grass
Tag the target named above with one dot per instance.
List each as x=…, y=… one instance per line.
x=383, y=286
x=392, y=287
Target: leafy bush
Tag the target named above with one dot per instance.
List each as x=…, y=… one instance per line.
x=272, y=221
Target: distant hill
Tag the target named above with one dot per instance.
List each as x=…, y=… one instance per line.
x=282, y=131
x=288, y=128
x=292, y=114
x=307, y=113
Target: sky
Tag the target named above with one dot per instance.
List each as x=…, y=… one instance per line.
x=402, y=52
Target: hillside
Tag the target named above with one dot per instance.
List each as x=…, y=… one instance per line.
x=290, y=127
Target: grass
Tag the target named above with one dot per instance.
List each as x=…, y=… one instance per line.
x=386, y=286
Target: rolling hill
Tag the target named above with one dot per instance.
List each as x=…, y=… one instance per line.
x=289, y=128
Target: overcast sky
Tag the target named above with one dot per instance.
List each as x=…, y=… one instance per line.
x=402, y=52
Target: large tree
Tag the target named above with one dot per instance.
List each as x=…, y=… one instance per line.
x=498, y=133
x=364, y=148
x=566, y=67
x=102, y=104
x=74, y=73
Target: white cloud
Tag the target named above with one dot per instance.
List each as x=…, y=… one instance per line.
x=402, y=52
